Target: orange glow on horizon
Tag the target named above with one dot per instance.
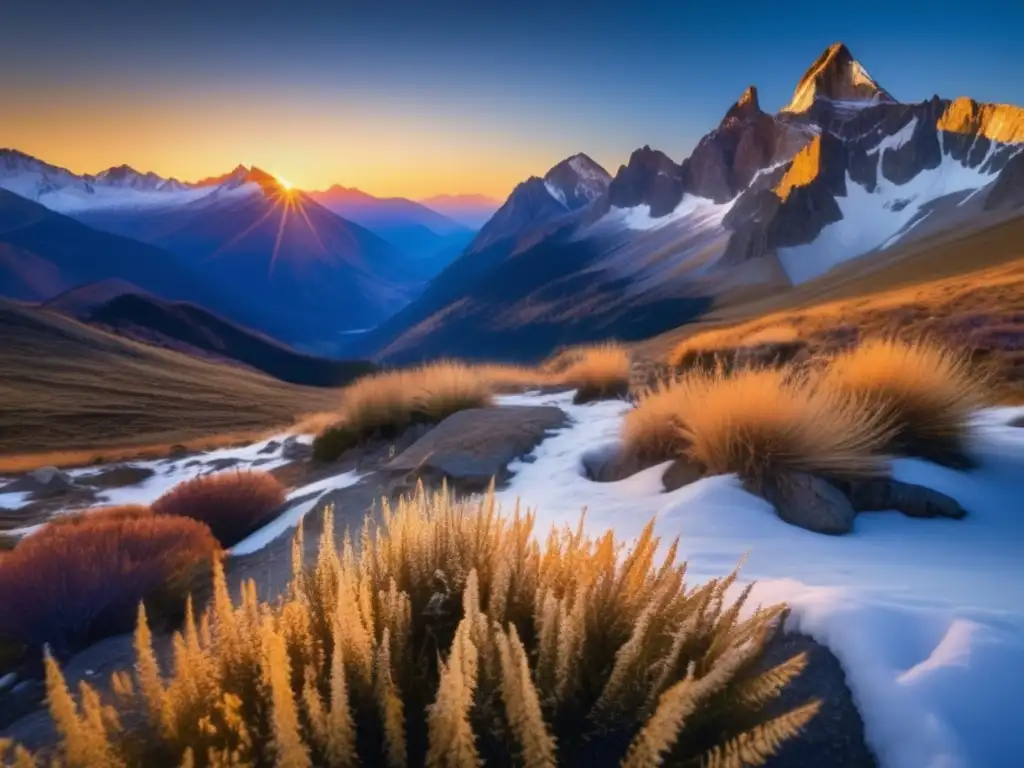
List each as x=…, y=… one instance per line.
x=309, y=147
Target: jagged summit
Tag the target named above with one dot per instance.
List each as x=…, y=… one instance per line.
x=745, y=107
x=576, y=181
x=836, y=76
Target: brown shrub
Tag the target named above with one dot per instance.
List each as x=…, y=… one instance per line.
x=386, y=404
x=232, y=504
x=757, y=422
x=70, y=585
x=452, y=638
x=928, y=392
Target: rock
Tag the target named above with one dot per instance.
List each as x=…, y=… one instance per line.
x=177, y=451
x=43, y=483
x=883, y=493
x=293, y=450
x=682, y=472
x=270, y=447
x=835, y=737
x=1018, y=422
x=589, y=393
x=650, y=177
x=808, y=502
x=472, y=446
x=119, y=476
x=219, y=464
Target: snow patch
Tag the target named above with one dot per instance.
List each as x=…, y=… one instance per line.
x=925, y=616
x=294, y=515
x=555, y=192
x=877, y=219
x=698, y=211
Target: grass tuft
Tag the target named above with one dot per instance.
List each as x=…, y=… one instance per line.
x=69, y=585
x=386, y=404
x=454, y=637
x=598, y=373
x=928, y=392
x=757, y=423
x=232, y=504
x=121, y=512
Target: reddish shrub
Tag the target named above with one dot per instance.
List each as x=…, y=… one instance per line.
x=122, y=512
x=70, y=585
x=232, y=504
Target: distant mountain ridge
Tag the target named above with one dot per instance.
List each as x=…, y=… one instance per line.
x=764, y=202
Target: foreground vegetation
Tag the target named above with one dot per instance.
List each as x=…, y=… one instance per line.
x=386, y=404
x=836, y=417
x=452, y=638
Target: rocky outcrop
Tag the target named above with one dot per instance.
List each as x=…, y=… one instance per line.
x=474, y=446
x=879, y=494
x=1008, y=191
x=650, y=177
x=808, y=502
x=836, y=76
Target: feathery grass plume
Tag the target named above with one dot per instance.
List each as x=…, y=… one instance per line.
x=759, y=422
x=929, y=393
x=341, y=736
x=291, y=752
x=22, y=757
x=753, y=748
x=451, y=740
x=83, y=740
x=147, y=671
x=522, y=702
x=390, y=706
x=387, y=655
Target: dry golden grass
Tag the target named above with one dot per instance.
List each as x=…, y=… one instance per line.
x=927, y=392
x=598, y=372
x=70, y=393
x=121, y=512
x=453, y=638
x=756, y=423
x=385, y=404
x=979, y=313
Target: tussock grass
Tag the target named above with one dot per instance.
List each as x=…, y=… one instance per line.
x=756, y=423
x=453, y=638
x=386, y=404
x=232, y=504
x=598, y=373
x=69, y=585
x=929, y=392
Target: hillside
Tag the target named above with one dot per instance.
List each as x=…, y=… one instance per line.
x=70, y=388
x=191, y=329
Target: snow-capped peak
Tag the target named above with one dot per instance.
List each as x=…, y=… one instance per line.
x=577, y=181
x=837, y=76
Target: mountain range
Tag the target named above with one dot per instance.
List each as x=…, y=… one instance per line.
x=765, y=203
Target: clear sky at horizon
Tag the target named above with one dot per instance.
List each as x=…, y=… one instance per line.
x=414, y=98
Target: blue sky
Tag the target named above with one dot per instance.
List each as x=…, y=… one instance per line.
x=496, y=90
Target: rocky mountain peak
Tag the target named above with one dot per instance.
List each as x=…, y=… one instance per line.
x=836, y=76
x=577, y=181
x=745, y=107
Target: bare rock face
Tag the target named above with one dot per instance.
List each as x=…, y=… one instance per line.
x=1008, y=191
x=836, y=76
x=650, y=177
x=882, y=493
x=44, y=483
x=808, y=502
x=471, y=447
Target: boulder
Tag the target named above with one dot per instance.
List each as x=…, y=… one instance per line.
x=877, y=494
x=43, y=483
x=270, y=447
x=472, y=446
x=1018, y=422
x=293, y=450
x=119, y=476
x=177, y=451
x=808, y=502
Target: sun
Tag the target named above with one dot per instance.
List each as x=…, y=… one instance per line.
x=285, y=184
